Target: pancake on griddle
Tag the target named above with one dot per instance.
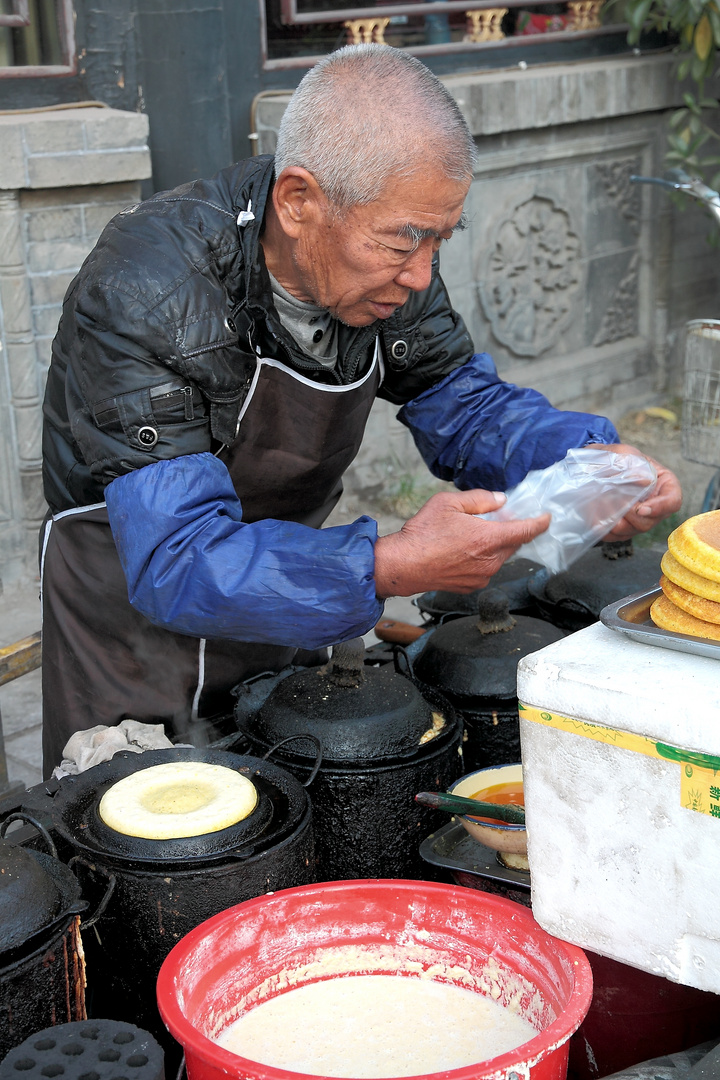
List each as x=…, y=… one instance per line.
x=184, y=798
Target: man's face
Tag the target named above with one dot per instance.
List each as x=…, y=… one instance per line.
x=363, y=265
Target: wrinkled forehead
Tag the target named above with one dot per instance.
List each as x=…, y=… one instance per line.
x=416, y=211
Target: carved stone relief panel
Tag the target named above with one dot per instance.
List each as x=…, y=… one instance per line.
x=530, y=283
x=7, y=465
x=620, y=319
x=614, y=178
x=559, y=251
x=613, y=229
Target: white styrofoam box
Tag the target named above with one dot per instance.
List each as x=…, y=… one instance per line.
x=623, y=802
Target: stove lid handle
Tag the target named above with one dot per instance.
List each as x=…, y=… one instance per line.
x=20, y=815
x=102, y=906
x=318, y=756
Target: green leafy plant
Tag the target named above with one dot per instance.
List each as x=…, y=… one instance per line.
x=692, y=138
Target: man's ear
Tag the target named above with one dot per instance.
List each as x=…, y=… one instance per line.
x=298, y=200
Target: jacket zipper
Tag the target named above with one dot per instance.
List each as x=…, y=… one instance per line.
x=187, y=393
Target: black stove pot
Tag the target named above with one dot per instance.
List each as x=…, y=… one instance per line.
x=606, y=573
x=513, y=579
x=41, y=959
x=473, y=662
x=382, y=741
x=153, y=892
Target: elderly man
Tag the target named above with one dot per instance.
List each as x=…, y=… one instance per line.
x=211, y=378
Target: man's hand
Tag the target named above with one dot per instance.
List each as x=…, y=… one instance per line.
x=444, y=547
x=665, y=500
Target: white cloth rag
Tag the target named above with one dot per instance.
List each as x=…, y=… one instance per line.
x=87, y=748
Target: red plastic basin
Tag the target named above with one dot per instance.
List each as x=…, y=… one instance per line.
x=257, y=949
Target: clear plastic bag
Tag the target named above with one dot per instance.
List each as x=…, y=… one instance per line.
x=586, y=493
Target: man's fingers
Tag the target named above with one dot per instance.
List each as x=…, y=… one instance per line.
x=535, y=526
x=478, y=501
x=445, y=547
x=513, y=534
x=664, y=501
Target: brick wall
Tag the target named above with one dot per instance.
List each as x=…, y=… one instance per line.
x=60, y=227
x=63, y=175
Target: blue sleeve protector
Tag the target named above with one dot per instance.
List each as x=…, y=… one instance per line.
x=480, y=432
x=193, y=566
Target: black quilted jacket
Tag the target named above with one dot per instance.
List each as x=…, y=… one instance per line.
x=162, y=324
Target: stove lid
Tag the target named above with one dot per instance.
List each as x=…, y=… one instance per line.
x=36, y=892
x=512, y=578
x=478, y=656
x=604, y=574
x=29, y=897
x=358, y=713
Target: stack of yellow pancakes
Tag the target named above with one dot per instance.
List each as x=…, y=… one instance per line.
x=690, y=600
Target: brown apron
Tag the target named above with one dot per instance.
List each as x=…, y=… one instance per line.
x=102, y=660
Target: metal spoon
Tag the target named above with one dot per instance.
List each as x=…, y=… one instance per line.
x=457, y=804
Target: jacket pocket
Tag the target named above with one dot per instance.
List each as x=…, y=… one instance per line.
x=175, y=401
x=173, y=411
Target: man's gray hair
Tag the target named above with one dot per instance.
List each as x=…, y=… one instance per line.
x=367, y=113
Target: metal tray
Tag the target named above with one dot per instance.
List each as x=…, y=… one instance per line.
x=631, y=616
x=452, y=848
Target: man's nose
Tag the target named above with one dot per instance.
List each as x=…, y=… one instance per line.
x=416, y=272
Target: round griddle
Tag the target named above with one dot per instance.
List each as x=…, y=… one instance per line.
x=77, y=819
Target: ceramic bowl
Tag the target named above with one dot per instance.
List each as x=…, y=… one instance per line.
x=507, y=839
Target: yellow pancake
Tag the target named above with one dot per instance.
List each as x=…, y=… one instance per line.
x=696, y=544
x=707, y=610
x=183, y=798
x=692, y=583
x=668, y=617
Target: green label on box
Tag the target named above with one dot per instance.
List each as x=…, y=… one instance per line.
x=700, y=789
x=700, y=773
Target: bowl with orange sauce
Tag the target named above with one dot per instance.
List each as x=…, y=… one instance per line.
x=499, y=784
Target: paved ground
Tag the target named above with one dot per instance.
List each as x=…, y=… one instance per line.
x=20, y=606
x=20, y=700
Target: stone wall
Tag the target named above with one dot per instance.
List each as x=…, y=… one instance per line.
x=564, y=275
x=63, y=175
x=60, y=227
x=576, y=281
